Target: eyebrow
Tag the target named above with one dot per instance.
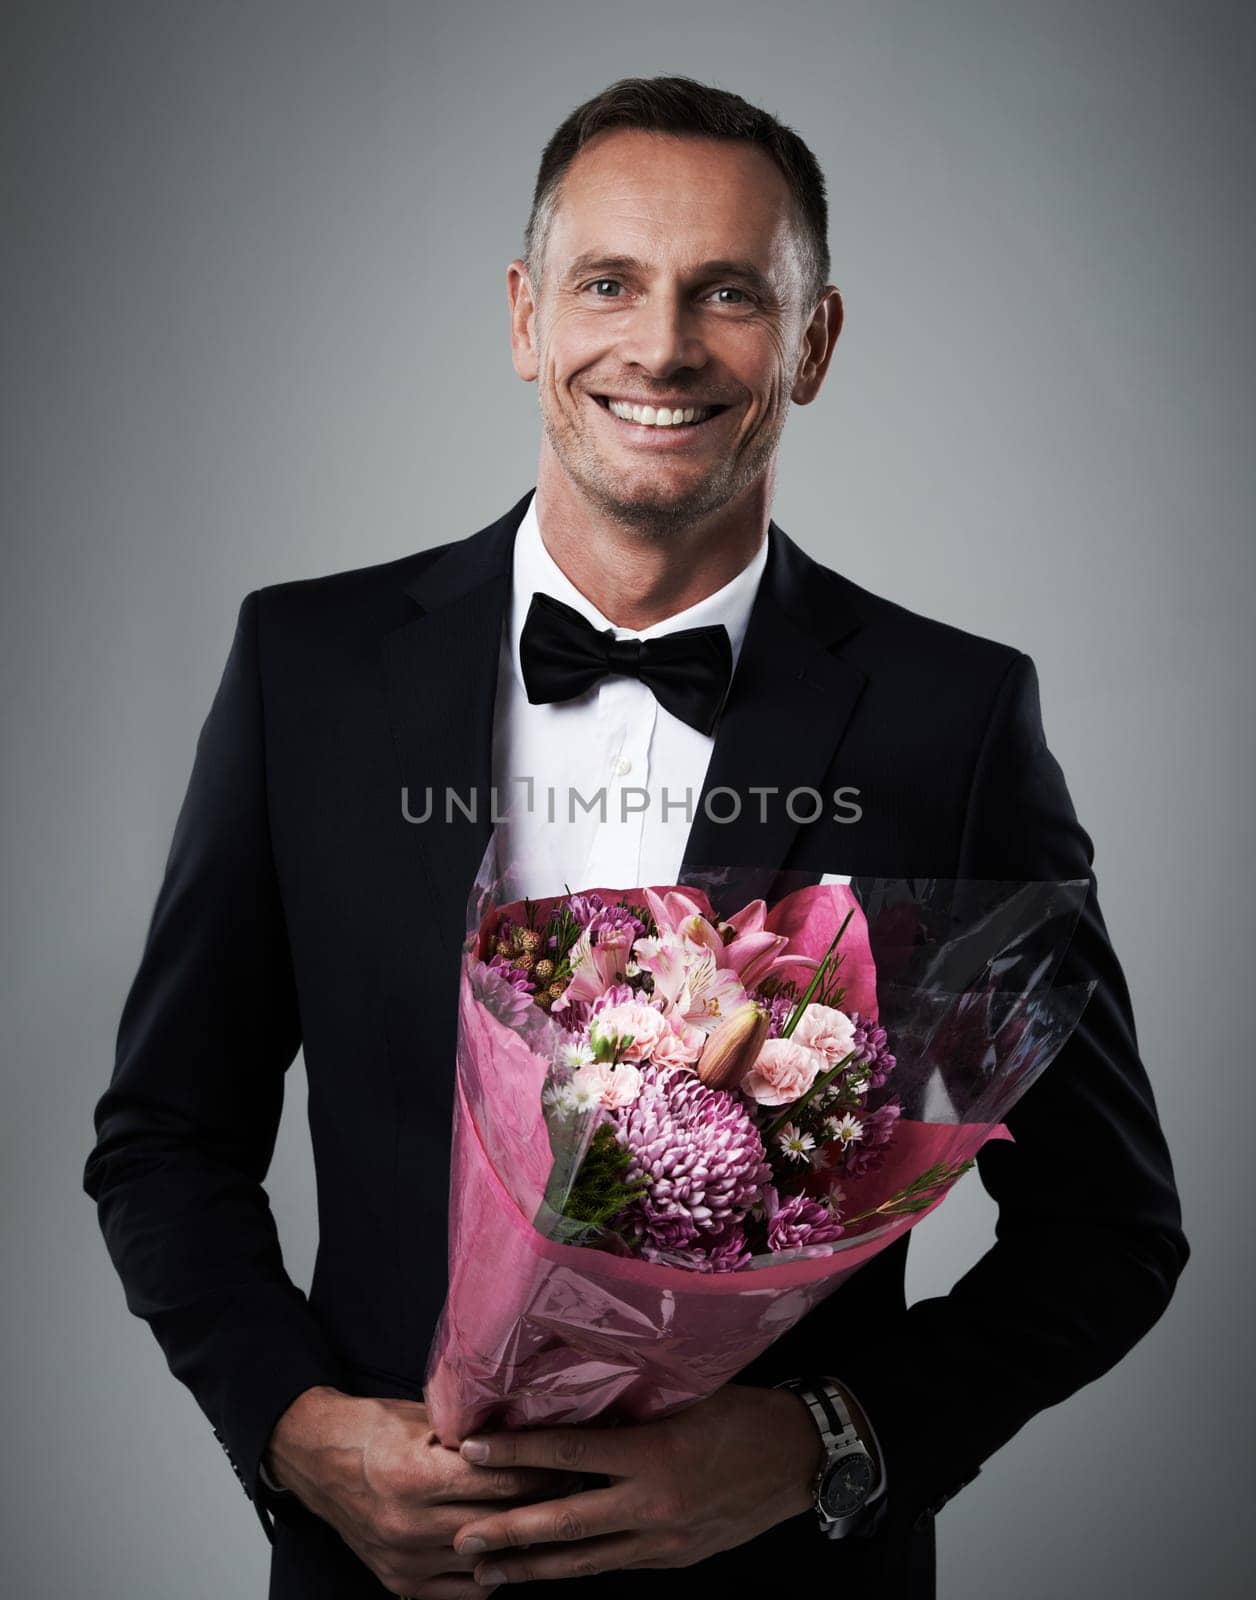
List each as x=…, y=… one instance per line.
x=746, y=270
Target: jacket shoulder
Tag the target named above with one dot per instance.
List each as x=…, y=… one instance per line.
x=947, y=680
x=875, y=631
x=894, y=638
x=384, y=594
x=370, y=596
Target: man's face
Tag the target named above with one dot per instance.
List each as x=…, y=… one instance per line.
x=671, y=279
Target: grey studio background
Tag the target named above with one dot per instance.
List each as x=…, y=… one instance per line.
x=255, y=328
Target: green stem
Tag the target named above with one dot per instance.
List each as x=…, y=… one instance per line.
x=796, y=1014
x=916, y=1195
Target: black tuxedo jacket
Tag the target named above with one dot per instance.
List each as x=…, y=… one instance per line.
x=300, y=908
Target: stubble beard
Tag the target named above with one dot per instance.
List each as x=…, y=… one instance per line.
x=665, y=516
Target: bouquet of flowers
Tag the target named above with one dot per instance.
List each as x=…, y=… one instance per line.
x=681, y=1124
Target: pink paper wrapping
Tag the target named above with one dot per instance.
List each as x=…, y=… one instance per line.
x=536, y=1332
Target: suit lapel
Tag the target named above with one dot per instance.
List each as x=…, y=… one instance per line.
x=788, y=708
x=440, y=675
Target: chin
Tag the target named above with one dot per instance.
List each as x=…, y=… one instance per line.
x=638, y=496
x=658, y=514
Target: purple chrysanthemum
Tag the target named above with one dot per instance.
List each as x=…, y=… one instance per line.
x=576, y=1015
x=617, y=922
x=798, y=1221
x=697, y=1150
x=872, y=1044
x=514, y=975
x=500, y=992
x=665, y=1230
x=866, y=1154
x=779, y=1008
x=618, y=994
x=584, y=907
x=725, y=1250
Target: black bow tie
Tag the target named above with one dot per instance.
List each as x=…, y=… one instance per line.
x=562, y=655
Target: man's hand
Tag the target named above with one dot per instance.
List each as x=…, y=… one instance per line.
x=683, y=1488
x=374, y=1470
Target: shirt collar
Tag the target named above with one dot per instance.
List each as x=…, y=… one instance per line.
x=533, y=568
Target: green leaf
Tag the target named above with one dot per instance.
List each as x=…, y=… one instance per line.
x=601, y=1191
x=817, y=977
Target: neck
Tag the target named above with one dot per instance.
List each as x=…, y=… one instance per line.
x=636, y=576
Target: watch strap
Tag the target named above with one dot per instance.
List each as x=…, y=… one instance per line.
x=825, y=1399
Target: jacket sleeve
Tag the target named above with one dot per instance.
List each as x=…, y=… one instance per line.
x=1089, y=1242
x=186, y=1129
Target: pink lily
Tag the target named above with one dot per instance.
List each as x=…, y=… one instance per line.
x=753, y=952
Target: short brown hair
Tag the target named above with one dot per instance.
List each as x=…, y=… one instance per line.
x=684, y=106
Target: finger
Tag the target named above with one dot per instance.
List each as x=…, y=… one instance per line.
x=584, y=1560
x=578, y=1516
x=604, y=1450
x=468, y=1482
x=442, y=1524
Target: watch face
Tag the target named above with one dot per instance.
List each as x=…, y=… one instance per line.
x=847, y=1484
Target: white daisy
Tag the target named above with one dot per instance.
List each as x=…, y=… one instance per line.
x=794, y=1142
x=586, y=1095
x=560, y=1097
x=847, y=1128
x=574, y=1053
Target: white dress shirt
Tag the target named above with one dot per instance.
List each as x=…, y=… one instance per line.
x=615, y=780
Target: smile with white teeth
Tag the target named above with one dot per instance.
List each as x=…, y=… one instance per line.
x=660, y=418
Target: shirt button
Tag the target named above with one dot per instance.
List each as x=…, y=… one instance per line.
x=621, y=766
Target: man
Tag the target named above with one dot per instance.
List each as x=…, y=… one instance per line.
x=675, y=263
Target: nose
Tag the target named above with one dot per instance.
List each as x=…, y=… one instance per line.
x=662, y=336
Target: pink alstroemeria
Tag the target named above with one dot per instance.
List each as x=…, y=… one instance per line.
x=697, y=993
x=675, y=907
x=596, y=967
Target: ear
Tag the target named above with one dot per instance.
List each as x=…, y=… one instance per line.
x=819, y=342
x=523, y=349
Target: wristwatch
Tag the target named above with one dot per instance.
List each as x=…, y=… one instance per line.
x=848, y=1477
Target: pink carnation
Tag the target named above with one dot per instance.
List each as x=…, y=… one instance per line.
x=648, y=1028
x=830, y=1032
x=784, y=1070
x=676, y=1049
x=614, y=1086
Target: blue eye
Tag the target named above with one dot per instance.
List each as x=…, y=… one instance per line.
x=727, y=288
